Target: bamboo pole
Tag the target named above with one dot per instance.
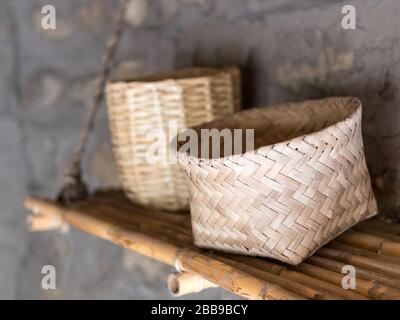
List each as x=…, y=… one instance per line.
x=393, y=229
x=37, y=223
x=339, y=246
x=225, y=276
x=176, y=233
x=370, y=242
x=183, y=283
x=289, y=284
x=117, y=199
x=376, y=232
x=359, y=261
x=368, y=275
x=44, y=221
x=128, y=213
x=146, y=223
x=299, y=277
x=116, y=211
x=179, y=235
x=366, y=288
x=175, y=230
x=122, y=202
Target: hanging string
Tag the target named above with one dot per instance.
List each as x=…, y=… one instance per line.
x=74, y=188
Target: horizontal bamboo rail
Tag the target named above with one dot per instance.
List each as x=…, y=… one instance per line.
x=168, y=238
x=352, y=250
x=297, y=282
x=365, y=274
x=371, y=242
x=181, y=235
x=386, y=228
x=300, y=277
x=225, y=276
x=370, y=229
x=360, y=261
x=363, y=287
x=44, y=223
x=306, y=288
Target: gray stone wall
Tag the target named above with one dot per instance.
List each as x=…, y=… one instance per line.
x=289, y=50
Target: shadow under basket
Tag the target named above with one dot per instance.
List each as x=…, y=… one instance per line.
x=304, y=182
x=147, y=113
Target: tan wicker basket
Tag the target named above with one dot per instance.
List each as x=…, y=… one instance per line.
x=304, y=183
x=183, y=98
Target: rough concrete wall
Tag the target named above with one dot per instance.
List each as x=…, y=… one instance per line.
x=289, y=50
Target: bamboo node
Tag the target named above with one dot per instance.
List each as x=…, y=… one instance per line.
x=177, y=263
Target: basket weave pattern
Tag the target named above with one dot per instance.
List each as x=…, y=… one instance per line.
x=305, y=182
x=188, y=97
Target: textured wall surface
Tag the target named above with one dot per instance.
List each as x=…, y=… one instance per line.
x=289, y=50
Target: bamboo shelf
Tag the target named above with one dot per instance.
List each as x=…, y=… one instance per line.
x=372, y=247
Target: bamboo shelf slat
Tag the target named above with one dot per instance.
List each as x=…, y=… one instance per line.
x=372, y=247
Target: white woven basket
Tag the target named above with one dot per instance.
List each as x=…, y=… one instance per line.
x=183, y=97
x=304, y=183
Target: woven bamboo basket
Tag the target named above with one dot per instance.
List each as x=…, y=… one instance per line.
x=304, y=182
x=143, y=112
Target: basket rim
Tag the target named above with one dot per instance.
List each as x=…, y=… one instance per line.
x=185, y=157
x=176, y=75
